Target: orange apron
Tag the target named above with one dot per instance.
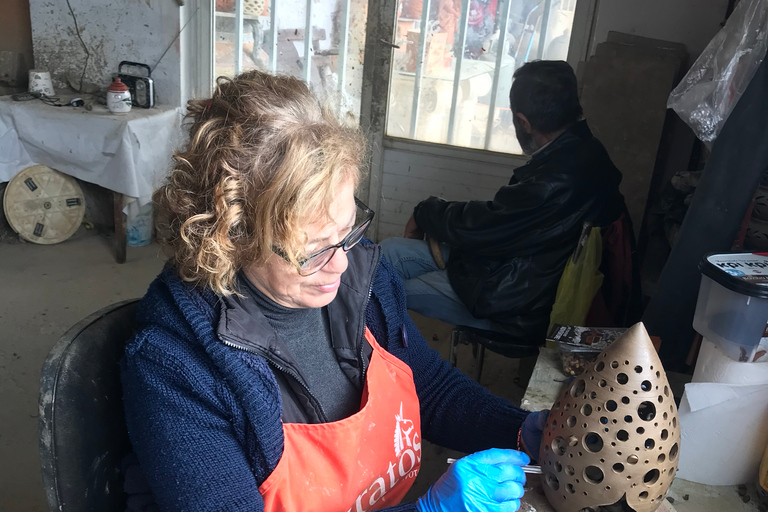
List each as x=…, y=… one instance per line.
x=364, y=462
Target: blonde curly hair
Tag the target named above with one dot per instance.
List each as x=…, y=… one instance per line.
x=264, y=158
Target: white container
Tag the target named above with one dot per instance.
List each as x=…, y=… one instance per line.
x=140, y=227
x=732, y=308
x=118, y=97
x=40, y=82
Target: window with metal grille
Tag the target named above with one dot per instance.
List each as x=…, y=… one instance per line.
x=321, y=42
x=453, y=69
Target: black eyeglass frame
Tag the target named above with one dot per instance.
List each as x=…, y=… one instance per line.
x=344, y=244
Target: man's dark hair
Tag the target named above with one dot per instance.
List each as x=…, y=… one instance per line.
x=545, y=92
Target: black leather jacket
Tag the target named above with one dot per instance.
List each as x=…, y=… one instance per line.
x=507, y=255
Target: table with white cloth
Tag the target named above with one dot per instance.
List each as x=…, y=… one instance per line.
x=128, y=154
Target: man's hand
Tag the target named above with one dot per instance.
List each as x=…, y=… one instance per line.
x=412, y=230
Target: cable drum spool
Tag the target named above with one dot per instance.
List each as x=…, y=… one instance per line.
x=44, y=206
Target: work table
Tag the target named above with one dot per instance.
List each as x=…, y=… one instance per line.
x=544, y=387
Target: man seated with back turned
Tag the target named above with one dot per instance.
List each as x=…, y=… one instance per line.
x=504, y=257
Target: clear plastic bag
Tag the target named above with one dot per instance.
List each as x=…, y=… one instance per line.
x=706, y=96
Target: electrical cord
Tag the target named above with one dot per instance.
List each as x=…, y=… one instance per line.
x=87, y=53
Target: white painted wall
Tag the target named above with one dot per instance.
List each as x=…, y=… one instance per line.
x=135, y=30
x=691, y=22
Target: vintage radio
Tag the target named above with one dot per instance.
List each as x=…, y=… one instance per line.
x=142, y=87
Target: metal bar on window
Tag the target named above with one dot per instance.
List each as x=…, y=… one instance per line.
x=497, y=70
x=308, y=44
x=238, y=37
x=342, y=62
x=423, y=34
x=544, y=27
x=273, y=28
x=459, y=45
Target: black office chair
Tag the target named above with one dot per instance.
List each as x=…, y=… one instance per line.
x=83, y=436
x=498, y=342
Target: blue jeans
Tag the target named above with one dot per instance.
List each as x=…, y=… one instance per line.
x=427, y=287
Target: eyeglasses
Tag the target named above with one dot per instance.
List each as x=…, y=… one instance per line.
x=318, y=259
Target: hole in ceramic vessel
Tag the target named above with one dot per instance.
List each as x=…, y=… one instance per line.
x=644, y=495
x=578, y=388
x=570, y=489
x=628, y=418
x=603, y=420
x=632, y=459
x=622, y=435
x=569, y=470
x=610, y=405
x=665, y=416
x=558, y=445
x=640, y=430
x=622, y=378
x=615, y=364
x=661, y=399
x=593, y=442
x=658, y=374
x=618, y=467
x=673, y=452
x=573, y=441
x=552, y=481
x=593, y=395
x=651, y=477
x=571, y=422
x=650, y=444
x=646, y=411
x=599, y=367
x=646, y=385
x=602, y=383
x=666, y=391
x=661, y=458
x=664, y=435
x=626, y=363
x=593, y=474
x=556, y=407
x=625, y=400
x=558, y=467
x=586, y=409
x=674, y=422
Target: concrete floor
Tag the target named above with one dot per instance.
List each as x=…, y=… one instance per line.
x=47, y=289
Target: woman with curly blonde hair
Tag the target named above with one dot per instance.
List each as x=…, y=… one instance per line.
x=275, y=366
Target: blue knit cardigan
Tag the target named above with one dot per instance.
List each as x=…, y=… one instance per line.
x=204, y=418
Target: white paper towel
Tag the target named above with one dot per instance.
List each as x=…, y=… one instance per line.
x=713, y=365
x=724, y=429
x=723, y=420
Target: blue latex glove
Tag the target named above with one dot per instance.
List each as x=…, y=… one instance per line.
x=532, y=430
x=491, y=480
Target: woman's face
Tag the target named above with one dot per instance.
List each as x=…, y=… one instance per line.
x=280, y=280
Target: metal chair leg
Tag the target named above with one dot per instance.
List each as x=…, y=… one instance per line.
x=452, y=350
x=479, y=361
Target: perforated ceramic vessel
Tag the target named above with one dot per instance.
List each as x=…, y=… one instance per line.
x=613, y=433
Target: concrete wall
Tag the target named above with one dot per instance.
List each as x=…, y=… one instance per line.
x=134, y=30
x=691, y=22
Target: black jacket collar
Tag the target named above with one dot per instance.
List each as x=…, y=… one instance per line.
x=243, y=326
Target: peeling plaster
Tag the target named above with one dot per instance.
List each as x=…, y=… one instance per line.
x=135, y=31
